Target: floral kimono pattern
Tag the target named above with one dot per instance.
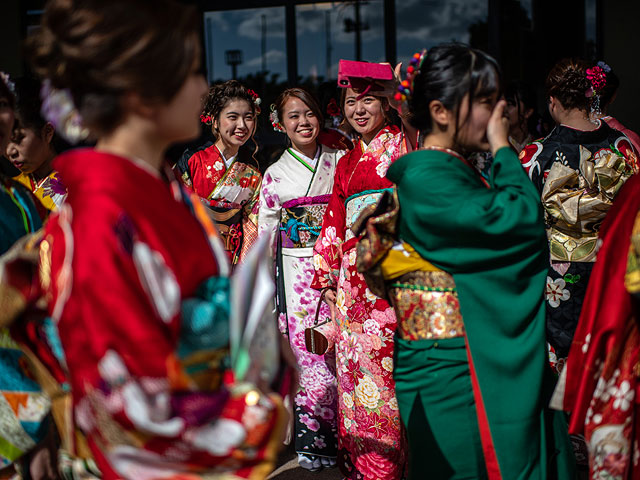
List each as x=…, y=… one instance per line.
x=578, y=174
x=293, y=200
x=50, y=190
x=145, y=357
x=231, y=195
x=370, y=439
x=599, y=384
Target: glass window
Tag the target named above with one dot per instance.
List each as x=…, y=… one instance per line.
x=326, y=33
x=252, y=39
x=426, y=23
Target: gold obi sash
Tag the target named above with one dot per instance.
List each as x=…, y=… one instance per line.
x=424, y=297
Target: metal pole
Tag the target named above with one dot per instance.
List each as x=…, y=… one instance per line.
x=264, y=43
x=390, y=31
x=358, y=26
x=292, y=46
x=327, y=23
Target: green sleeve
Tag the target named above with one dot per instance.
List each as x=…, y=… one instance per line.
x=452, y=219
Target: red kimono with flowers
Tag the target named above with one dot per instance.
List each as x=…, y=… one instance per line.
x=123, y=265
x=370, y=439
x=231, y=194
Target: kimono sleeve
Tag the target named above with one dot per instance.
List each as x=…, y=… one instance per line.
x=460, y=224
x=270, y=206
x=250, y=212
x=327, y=252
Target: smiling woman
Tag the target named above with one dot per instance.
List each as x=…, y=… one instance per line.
x=222, y=175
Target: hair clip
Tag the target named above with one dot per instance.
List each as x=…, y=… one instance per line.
x=405, y=89
x=275, y=121
x=333, y=110
x=206, y=119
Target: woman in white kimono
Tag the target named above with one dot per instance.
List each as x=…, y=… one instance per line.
x=294, y=195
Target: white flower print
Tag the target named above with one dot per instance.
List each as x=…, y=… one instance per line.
x=556, y=292
x=623, y=396
x=317, y=262
x=383, y=165
x=387, y=364
x=347, y=400
x=330, y=237
x=341, y=299
x=352, y=258
x=371, y=327
x=347, y=423
x=560, y=157
x=393, y=403
x=585, y=345
x=368, y=393
x=370, y=296
x=218, y=166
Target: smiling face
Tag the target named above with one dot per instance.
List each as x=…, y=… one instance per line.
x=365, y=115
x=472, y=126
x=300, y=124
x=235, y=124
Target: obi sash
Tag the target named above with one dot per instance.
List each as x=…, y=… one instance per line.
x=356, y=203
x=301, y=221
x=424, y=297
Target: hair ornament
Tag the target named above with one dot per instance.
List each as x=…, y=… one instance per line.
x=597, y=76
x=333, y=110
x=275, y=121
x=256, y=100
x=405, y=89
x=206, y=119
x=58, y=109
x=7, y=81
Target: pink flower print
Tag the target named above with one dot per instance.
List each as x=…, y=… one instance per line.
x=346, y=382
x=319, y=442
x=323, y=412
x=371, y=327
x=312, y=423
x=330, y=237
x=615, y=464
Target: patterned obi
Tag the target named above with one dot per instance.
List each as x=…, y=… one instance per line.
x=301, y=221
x=356, y=203
x=424, y=297
x=229, y=223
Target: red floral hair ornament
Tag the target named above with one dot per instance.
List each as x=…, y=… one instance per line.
x=256, y=100
x=597, y=76
x=206, y=119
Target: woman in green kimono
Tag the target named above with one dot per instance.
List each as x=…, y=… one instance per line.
x=467, y=279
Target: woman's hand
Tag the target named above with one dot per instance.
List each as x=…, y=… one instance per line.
x=498, y=128
x=330, y=299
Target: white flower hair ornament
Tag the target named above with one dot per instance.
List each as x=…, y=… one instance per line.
x=7, y=81
x=59, y=109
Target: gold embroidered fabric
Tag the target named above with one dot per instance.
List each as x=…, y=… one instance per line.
x=427, y=306
x=576, y=202
x=632, y=275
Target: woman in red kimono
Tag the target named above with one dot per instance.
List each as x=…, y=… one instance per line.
x=225, y=181
x=131, y=270
x=370, y=440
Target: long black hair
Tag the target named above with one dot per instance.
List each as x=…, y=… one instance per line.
x=448, y=73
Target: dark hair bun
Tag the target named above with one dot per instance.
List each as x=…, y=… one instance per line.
x=567, y=81
x=101, y=49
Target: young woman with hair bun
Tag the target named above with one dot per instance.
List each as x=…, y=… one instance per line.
x=293, y=198
x=224, y=175
x=465, y=276
x=578, y=170
x=132, y=271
